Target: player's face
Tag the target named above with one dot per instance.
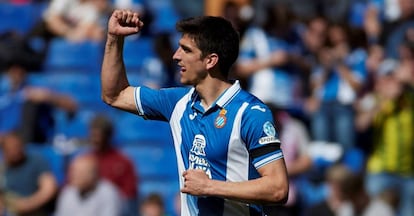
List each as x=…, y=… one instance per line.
x=192, y=66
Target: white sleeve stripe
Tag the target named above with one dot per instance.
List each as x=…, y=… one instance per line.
x=138, y=100
x=268, y=160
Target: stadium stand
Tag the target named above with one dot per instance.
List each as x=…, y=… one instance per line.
x=68, y=56
x=20, y=18
x=73, y=68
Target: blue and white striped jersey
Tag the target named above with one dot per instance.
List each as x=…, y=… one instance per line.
x=229, y=141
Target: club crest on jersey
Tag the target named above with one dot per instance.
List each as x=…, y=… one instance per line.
x=221, y=119
x=270, y=132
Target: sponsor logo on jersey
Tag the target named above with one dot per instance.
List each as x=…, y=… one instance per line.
x=197, y=157
x=257, y=107
x=192, y=116
x=268, y=139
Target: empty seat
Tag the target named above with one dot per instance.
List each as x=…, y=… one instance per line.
x=165, y=20
x=64, y=55
x=136, y=51
x=75, y=126
x=134, y=128
x=152, y=162
x=85, y=88
x=20, y=18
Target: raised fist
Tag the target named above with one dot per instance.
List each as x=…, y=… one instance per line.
x=124, y=23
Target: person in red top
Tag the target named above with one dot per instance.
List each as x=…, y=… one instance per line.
x=113, y=165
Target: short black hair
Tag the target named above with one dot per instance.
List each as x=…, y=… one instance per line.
x=213, y=35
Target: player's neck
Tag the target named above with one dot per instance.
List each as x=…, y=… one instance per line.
x=210, y=89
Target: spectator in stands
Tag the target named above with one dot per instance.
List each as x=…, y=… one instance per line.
x=348, y=197
x=359, y=202
x=386, y=21
x=337, y=176
x=376, y=55
x=87, y=193
x=264, y=59
x=112, y=164
x=29, y=108
x=335, y=82
x=153, y=205
x=75, y=20
x=28, y=185
x=391, y=116
x=240, y=15
x=312, y=38
x=295, y=141
x=406, y=53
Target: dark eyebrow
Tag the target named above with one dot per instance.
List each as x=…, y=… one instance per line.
x=184, y=47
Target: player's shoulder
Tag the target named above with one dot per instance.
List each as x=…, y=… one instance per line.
x=251, y=99
x=168, y=93
x=254, y=106
x=177, y=90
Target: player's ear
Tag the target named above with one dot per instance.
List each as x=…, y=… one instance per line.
x=211, y=60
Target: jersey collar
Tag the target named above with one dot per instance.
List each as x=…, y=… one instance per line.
x=222, y=101
x=229, y=94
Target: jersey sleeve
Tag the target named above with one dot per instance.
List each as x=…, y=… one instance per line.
x=157, y=104
x=260, y=135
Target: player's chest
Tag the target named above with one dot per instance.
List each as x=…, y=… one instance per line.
x=207, y=133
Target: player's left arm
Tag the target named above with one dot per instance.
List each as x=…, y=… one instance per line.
x=271, y=187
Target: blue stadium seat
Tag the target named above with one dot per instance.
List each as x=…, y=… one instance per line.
x=85, y=88
x=68, y=56
x=135, y=128
x=76, y=126
x=136, y=51
x=165, y=20
x=20, y=18
x=152, y=162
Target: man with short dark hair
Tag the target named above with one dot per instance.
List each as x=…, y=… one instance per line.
x=227, y=148
x=27, y=183
x=112, y=164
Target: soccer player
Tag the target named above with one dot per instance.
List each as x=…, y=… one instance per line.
x=227, y=148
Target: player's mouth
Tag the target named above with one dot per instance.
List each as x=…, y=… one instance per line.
x=182, y=69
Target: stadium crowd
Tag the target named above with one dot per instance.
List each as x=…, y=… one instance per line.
x=338, y=75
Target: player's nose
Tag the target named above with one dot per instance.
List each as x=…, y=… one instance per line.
x=177, y=57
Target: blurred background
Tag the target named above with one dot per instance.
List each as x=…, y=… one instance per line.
x=338, y=75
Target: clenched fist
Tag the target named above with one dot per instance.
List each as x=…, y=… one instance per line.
x=195, y=182
x=124, y=23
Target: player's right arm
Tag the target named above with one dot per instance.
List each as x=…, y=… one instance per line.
x=116, y=90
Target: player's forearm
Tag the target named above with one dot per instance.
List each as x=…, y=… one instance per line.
x=113, y=76
x=265, y=190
